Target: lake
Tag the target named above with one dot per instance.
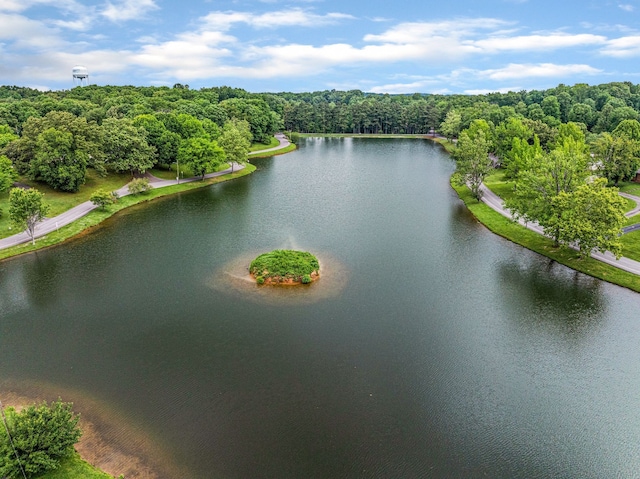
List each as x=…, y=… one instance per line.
x=430, y=348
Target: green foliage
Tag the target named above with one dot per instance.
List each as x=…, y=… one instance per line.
x=616, y=156
x=280, y=265
x=294, y=137
x=125, y=146
x=27, y=209
x=41, y=435
x=7, y=135
x=590, y=217
x=103, y=198
x=472, y=161
x=200, y=155
x=7, y=173
x=561, y=170
x=306, y=279
x=73, y=467
x=139, y=185
x=451, y=125
x=56, y=149
x=260, y=279
x=235, y=140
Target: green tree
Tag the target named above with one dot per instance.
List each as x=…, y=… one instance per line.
x=103, y=198
x=451, y=125
x=125, y=146
x=505, y=134
x=200, y=155
x=7, y=173
x=39, y=435
x=57, y=161
x=84, y=147
x=6, y=135
x=235, y=143
x=616, y=157
x=561, y=170
x=26, y=209
x=591, y=217
x=522, y=156
x=139, y=185
x=472, y=161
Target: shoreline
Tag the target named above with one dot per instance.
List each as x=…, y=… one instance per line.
x=93, y=217
x=109, y=442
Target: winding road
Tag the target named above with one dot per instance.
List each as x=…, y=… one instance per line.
x=49, y=225
x=495, y=202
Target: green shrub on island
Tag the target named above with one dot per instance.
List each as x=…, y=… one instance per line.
x=285, y=266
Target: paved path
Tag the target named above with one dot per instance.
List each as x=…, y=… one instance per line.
x=52, y=224
x=284, y=142
x=495, y=202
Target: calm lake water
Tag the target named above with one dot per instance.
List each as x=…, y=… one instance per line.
x=432, y=349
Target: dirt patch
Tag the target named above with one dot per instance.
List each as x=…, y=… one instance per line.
x=109, y=441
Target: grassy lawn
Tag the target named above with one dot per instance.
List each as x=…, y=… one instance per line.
x=75, y=468
x=631, y=244
x=631, y=188
x=185, y=172
x=502, y=187
x=61, y=201
x=543, y=245
x=267, y=154
x=98, y=215
x=630, y=204
x=263, y=146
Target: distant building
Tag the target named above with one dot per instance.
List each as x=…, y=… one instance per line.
x=80, y=75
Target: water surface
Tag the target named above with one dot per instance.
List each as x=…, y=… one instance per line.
x=445, y=352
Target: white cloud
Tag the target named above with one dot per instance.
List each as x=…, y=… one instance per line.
x=416, y=32
x=26, y=33
x=540, y=70
x=623, y=47
x=285, y=18
x=491, y=90
x=537, y=42
x=128, y=9
x=626, y=7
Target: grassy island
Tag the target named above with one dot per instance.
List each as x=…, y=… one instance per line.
x=285, y=267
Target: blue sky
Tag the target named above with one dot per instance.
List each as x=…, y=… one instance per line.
x=404, y=46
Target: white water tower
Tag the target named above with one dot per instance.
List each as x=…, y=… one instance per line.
x=80, y=75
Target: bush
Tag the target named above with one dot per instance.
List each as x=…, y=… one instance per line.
x=260, y=279
x=139, y=185
x=283, y=265
x=306, y=279
x=40, y=436
x=294, y=137
x=103, y=198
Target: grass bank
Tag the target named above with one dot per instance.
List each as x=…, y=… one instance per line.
x=267, y=154
x=98, y=215
x=75, y=467
x=540, y=244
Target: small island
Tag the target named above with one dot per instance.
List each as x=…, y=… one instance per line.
x=285, y=267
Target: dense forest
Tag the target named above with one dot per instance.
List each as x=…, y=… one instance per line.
x=53, y=136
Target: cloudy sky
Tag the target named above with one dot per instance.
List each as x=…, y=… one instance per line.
x=402, y=46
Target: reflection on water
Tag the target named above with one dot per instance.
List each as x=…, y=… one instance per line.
x=561, y=299
x=428, y=348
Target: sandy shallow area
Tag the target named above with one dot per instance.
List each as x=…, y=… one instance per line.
x=109, y=441
x=234, y=278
